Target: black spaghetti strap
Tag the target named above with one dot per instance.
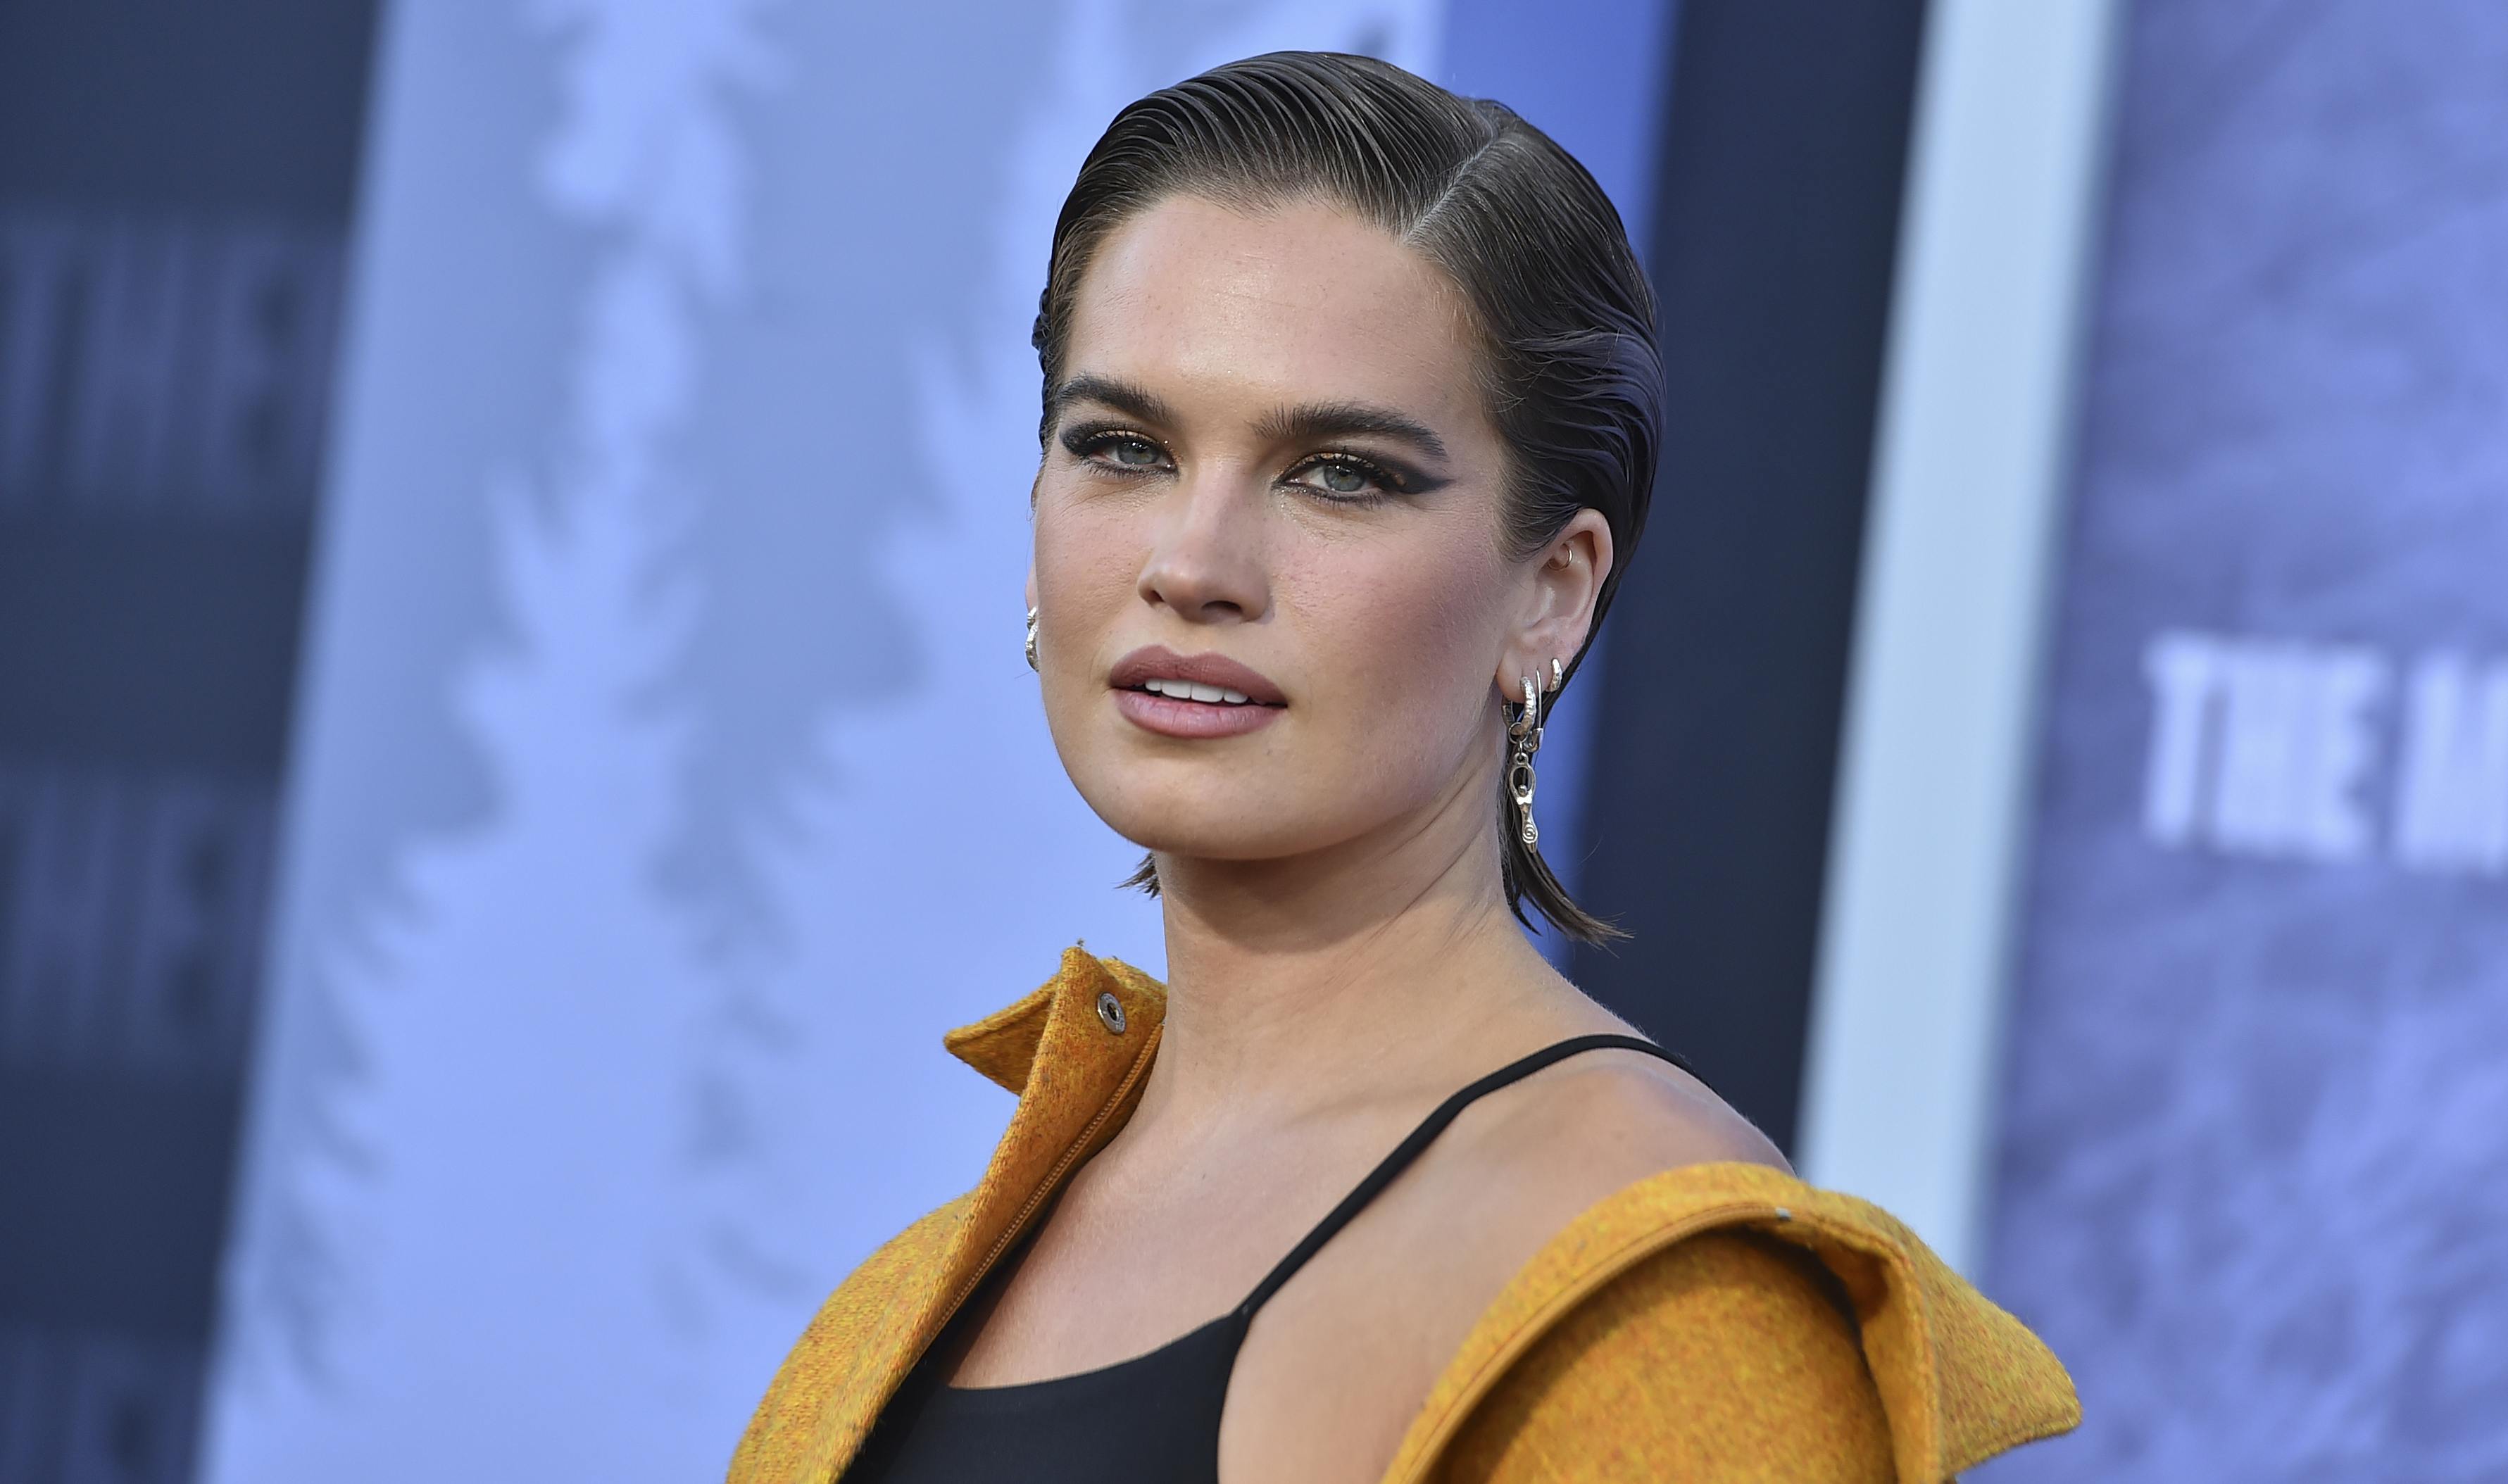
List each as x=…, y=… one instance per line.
x=1421, y=1138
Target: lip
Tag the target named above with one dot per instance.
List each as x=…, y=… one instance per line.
x=1159, y=662
x=1170, y=717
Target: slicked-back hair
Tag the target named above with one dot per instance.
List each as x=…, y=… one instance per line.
x=1569, y=361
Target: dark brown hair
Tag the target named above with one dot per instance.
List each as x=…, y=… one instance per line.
x=1567, y=321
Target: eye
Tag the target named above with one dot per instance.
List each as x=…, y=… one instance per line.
x=1115, y=449
x=1346, y=477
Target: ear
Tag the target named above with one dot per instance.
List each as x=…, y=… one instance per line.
x=1562, y=582
x=1031, y=584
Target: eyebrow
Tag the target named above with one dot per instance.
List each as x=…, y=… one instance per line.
x=1130, y=398
x=1317, y=421
x=1311, y=422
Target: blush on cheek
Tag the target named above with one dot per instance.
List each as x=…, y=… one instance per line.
x=1413, y=640
x=1438, y=616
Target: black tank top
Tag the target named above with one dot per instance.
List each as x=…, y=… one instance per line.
x=1153, y=1419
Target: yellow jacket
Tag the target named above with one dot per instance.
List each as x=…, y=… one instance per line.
x=1680, y=1329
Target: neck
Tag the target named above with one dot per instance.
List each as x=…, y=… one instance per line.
x=1291, y=982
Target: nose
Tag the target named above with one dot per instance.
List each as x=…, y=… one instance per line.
x=1205, y=556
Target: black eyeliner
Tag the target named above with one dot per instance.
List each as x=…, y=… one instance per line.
x=1082, y=441
x=1080, y=438
x=1397, y=477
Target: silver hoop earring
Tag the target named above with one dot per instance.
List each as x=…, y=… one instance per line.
x=1525, y=730
x=1558, y=673
x=1031, y=640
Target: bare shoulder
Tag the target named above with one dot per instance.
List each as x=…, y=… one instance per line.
x=1388, y=1307
x=1521, y=1165
x=1604, y=1120
x=1516, y=1171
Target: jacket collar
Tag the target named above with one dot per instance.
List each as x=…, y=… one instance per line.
x=1059, y=1026
x=1077, y=1052
x=1959, y=1379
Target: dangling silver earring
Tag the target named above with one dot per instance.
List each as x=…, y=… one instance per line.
x=1525, y=730
x=1031, y=640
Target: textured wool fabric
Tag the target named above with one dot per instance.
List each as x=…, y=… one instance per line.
x=1717, y=1322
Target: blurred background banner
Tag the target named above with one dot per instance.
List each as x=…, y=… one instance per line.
x=2254, y=1174
x=514, y=743
x=177, y=185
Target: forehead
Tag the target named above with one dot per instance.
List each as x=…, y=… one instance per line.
x=1298, y=303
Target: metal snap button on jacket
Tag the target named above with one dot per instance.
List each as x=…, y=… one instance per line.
x=1110, y=1011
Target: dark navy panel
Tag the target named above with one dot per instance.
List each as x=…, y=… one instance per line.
x=1776, y=227
x=175, y=188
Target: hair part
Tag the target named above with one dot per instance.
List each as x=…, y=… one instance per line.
x=1565, y=320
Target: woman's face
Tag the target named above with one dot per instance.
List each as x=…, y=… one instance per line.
x=1270, y=451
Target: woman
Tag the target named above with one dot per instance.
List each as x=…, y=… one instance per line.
x=1351, y=399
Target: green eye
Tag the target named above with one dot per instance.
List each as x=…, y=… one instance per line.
x=1345, y=478
x=1134, y=452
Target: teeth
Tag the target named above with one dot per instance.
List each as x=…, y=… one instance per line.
x=1188, y=690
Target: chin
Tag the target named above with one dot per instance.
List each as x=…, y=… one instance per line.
x=1178, y=825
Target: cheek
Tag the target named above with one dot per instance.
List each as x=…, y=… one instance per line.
x=1404, y=640
x=1087, y=565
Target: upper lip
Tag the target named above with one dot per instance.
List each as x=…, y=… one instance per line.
x=1159, y=662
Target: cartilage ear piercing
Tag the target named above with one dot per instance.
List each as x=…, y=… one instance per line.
x=1031, y=640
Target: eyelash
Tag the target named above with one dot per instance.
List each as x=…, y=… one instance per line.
x=1087, y=443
